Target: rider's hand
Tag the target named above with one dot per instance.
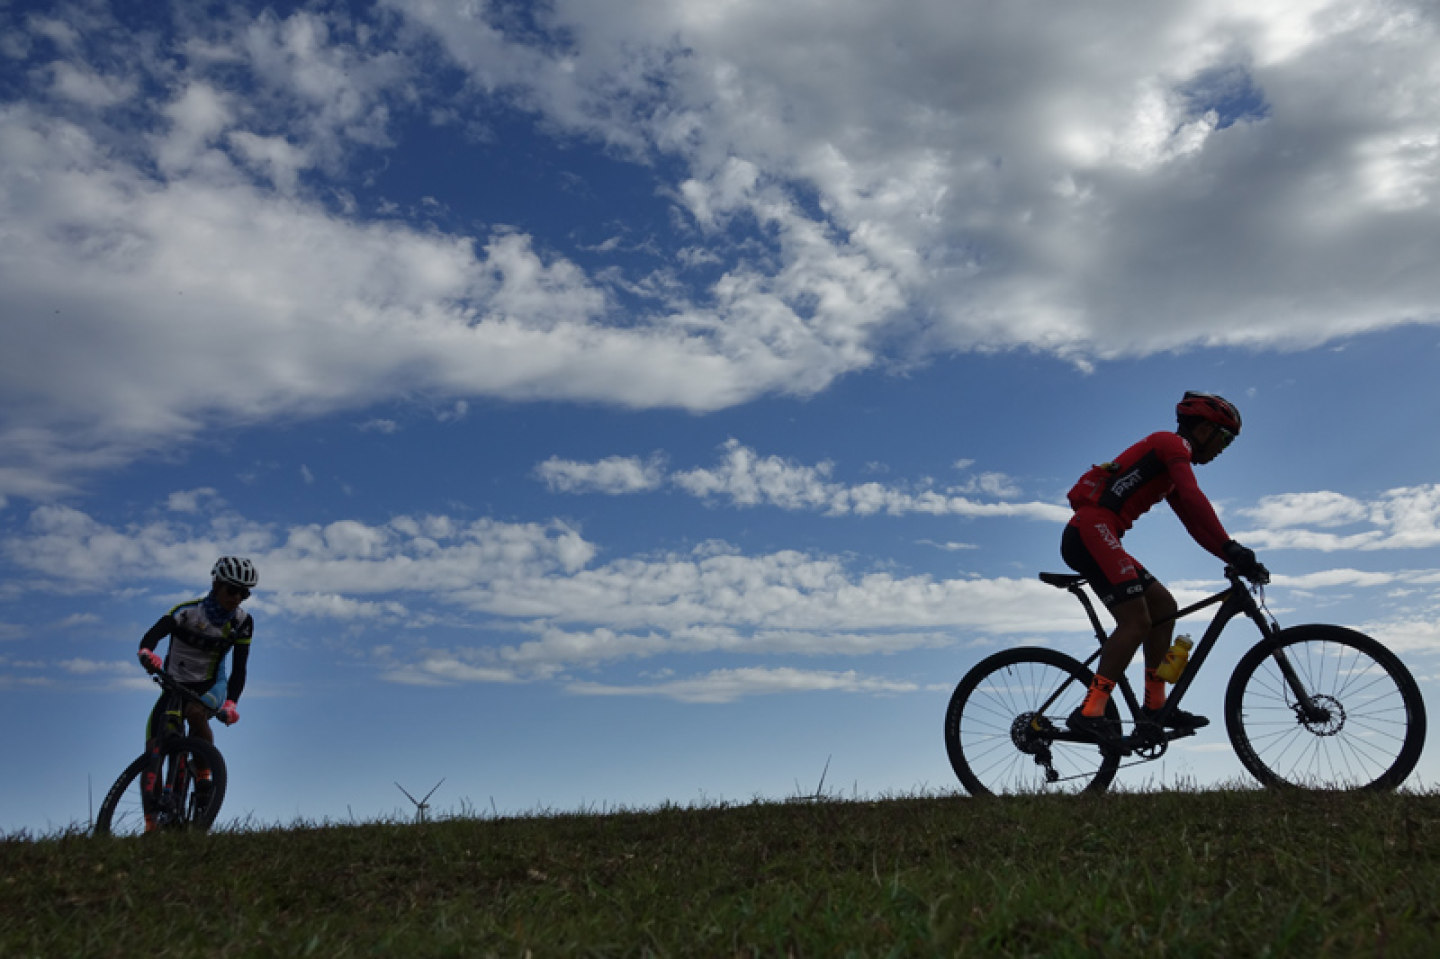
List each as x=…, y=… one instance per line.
x=1245, y=563
x=228, y=714
x=151, y=661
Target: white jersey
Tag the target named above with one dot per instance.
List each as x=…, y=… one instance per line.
x=198, y=647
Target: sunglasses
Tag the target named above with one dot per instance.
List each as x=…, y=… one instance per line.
x=1226, y=437
x=240, y=591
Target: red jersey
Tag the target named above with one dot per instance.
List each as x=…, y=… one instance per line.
x=1156, y=468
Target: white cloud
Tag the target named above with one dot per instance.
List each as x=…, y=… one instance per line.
x=1401, y=518
x=336, y=607
x=888, y=184
x=88, y=87
x=194, y=500
x=949, y=546
x=1331, y=578
x=90, y=666
x=729, y=685
x=1418, y=635
x=744, y=478
x=526, y=602
x=540, y=579
x=614, y=475
x=442, y=669
x=1321, y=508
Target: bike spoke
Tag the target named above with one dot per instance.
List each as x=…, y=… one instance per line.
x=992, y=743
x=1355, y=730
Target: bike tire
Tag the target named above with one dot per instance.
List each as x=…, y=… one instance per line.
x=122, y=813
x=987, y=731
x=1374, y=730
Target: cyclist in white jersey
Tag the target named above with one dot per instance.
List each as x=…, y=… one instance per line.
x=203, y=632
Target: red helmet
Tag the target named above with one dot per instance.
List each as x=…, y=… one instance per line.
x=1208, y=406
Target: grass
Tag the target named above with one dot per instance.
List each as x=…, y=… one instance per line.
x=1224, y=873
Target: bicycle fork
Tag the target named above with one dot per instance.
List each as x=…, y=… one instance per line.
x=1307, y=710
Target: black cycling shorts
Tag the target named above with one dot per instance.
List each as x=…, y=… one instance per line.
x=1091, y=547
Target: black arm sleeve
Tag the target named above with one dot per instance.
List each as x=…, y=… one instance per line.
x=163, y=627
x=239, y=659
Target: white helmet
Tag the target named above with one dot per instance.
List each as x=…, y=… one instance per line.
x=235, y=570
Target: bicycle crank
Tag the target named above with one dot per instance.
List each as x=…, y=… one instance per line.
x=1150, y=741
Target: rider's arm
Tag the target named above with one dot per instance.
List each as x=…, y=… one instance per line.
x=163, y=627
x=215, y=695
x=1194, y=509
x=239, y=659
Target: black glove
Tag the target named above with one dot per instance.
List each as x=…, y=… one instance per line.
x=1245, y=563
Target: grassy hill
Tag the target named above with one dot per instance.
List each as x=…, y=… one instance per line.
x=1226, y=873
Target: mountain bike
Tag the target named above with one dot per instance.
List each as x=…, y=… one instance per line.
x=1312, y=707
x=162, y=780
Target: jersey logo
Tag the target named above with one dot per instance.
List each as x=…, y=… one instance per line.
x=1108, y=535
x=1127, y=483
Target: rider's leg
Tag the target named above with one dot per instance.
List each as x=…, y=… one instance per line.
x=160, y=716
x=1157, y=642
x=1091, y=546
x=1145, y=620
x=1132, y=627
x=199, y=723
x=200, y=729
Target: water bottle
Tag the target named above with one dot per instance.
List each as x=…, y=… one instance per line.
x=1175, y=659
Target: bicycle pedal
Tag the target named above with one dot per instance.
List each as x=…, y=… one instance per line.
x=1103, y=730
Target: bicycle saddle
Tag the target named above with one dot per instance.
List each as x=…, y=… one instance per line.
x=1062, y=580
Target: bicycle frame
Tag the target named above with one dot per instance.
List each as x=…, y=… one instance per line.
x=163, y=781
x=1233, y=601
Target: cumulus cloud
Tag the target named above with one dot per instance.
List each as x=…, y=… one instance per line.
x=1007, y=174
x=539, y=581
x=744, y=478
x=194, y=500
x=1413, y=635
x=614, y=475
x=533, y=602
x=1401, y=518
x=888, y=184
x=728, y=685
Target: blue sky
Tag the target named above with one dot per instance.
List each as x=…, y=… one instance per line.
x=664, y=401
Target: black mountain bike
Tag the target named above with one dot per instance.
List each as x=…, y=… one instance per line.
x=162, y=779
x=1312, y=707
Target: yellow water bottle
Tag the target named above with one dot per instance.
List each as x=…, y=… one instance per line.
x=1175, y=660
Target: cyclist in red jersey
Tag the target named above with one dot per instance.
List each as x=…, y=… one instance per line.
x=1107, y=500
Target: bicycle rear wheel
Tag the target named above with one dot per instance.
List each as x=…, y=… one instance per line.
x=1368, y=723
x=998, y=740
x=184, y=805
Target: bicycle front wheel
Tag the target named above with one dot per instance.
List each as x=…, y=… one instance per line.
x=1000, y=741
x=1364, y=726
x=176, y=801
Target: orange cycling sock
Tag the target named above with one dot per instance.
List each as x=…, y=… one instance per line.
x=1098, y=696
x=1154, y=690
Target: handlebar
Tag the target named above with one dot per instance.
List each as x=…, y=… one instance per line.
x=1261, y=578
x=170, y=684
